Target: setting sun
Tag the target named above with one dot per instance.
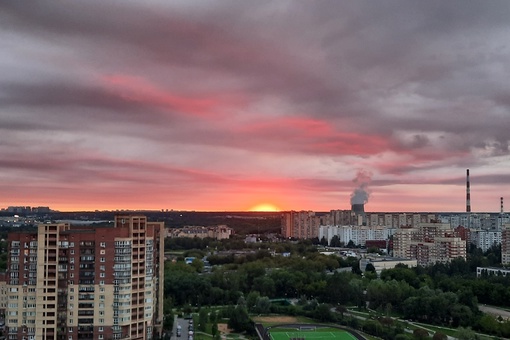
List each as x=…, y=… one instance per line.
x=265, y=207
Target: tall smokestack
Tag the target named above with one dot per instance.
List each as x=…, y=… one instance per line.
x=468, y=193
x=501, y=199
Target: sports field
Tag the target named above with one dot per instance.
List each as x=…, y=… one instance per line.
x=309, y=334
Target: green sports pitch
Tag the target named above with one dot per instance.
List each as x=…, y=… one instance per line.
x=309, y=334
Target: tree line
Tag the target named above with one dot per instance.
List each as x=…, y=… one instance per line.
x=445, y=294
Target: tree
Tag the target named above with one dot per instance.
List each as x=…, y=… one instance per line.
x=335, y=241
x=466, y=334
x=420, y=334
x=198, y=265
x=263, y=305
x=488, y=324
x=370, y=268
x=323, y=312
x=439, y=336
x=214, y=329
x=202, y=319
x=168, y=322
x=252, y=299
x=240, y=320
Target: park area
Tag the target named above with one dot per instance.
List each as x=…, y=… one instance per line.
x=309, y=333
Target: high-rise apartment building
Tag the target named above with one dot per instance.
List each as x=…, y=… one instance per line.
x=86, y=282
x=300, y=224
x=429, y=243
x=505, y=245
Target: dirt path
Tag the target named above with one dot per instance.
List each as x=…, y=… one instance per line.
x=275, y=319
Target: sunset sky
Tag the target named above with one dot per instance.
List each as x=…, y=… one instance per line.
x=230, y=105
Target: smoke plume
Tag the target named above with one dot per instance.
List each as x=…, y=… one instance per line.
x=361, y=192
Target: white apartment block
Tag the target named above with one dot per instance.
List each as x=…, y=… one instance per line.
x=357, y=234
x=484, y=239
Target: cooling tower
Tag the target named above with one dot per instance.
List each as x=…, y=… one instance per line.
x=359, y=209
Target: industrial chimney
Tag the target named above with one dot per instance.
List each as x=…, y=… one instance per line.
x=501, y=199
x=468, y=193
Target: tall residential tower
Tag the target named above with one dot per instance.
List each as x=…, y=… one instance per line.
x=86, y=282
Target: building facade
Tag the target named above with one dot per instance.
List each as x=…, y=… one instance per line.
x=359, y=235
x=86, y=282
x=505, y=245
x=429, y=243
x=485, y=239
x=381, y=263
x=300, y=224
x=220, y=232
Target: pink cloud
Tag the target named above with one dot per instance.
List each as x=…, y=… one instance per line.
x=140, y=90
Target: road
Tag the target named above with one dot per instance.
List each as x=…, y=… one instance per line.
x=505, y=314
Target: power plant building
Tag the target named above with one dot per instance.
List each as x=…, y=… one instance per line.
x=86, y=282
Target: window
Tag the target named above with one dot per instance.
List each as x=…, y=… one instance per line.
x=101, y=282
x=103, y=244
x=101, y=275
x=100, y=328
x=102, y=259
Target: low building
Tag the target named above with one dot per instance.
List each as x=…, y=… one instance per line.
x=359, y=235
x=384, y=262
x=219, y=232
x=491, y=271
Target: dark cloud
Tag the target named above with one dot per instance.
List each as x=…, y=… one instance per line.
x=402, y=88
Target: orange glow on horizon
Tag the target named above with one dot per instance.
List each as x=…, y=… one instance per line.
x=265, y=207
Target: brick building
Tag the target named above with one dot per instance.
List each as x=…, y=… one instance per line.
x=86, y=282
x=429, y=243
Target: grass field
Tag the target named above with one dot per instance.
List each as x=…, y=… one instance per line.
x=318, y=334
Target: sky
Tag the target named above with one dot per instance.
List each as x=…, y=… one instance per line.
x=254, y=105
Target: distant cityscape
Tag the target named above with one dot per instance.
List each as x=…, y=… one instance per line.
x=103, y=270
